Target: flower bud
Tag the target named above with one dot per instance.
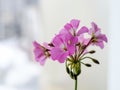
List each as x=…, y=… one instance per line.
x=88, y=65
x=95, y=61
x=92, y=51
x=73, y=68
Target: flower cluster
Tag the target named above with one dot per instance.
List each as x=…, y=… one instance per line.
x=70, y=43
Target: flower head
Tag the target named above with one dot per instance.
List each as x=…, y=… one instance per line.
x=70, y=45
x=97, y=36
x=72, y=28
x=64, y=45
x=40, y=53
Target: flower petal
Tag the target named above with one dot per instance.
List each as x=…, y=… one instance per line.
x=100, y=44
x=82, y=30
x=68, y=26
x=75, y=23
x=71, y=49
x=42, y=60
x=83, y=40
x=57, y=41
x=94, y=27
x=36, y=44
x=39, y=53
x=58, y=54
x=103, y=37
x=63, y=31
x=47, y=46
x=63, y=57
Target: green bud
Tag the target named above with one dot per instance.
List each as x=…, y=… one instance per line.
x=77, y=68
x=95, y=61
x=92, y=51
x=88, y=65
x=73, y=68
x=72, y=75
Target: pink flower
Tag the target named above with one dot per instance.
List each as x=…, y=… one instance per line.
x=59, y=51
x=98, y=38
x=69, y=43
x=47, y=46
x=40, y=53
x=64, y=45
x=83, y=40
x=73, y=26
x=82, y=30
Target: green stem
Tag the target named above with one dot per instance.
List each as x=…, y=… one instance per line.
x=76, y=83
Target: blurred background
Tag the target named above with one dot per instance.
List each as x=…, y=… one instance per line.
x=23, y=21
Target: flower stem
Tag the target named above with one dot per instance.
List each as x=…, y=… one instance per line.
x=76, y=83
x=84, y=48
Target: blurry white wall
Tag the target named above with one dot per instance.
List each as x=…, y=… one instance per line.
x=55, y=14
x=114, y=45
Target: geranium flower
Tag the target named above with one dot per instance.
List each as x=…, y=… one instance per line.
x=71, y=45
x=64, y=45
x=96, y=35
x=73, y=26
x=83, y=41
x=40, y=53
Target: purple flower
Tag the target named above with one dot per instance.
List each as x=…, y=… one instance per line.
x=64, y=45
x=83, y=40
x=65, y=42
x=73, y=26
x=82, y=30
x=40, y=53
x=69, y=43
x=97, y=37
